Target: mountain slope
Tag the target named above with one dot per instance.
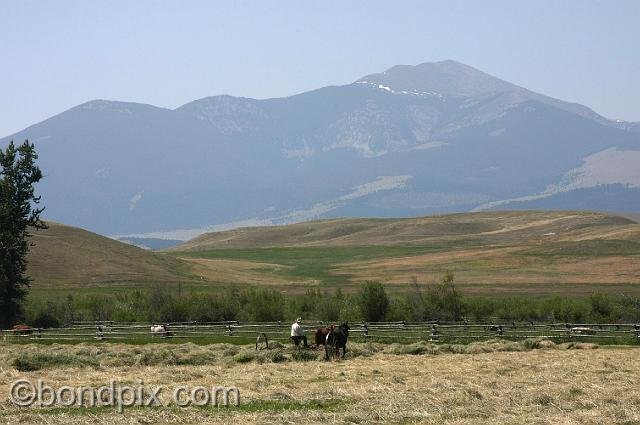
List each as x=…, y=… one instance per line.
x=413, y=140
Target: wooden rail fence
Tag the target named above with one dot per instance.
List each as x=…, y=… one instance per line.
x=279, y=331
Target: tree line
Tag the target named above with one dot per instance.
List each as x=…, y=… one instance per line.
x=371, y=303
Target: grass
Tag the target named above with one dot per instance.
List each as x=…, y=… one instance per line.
x=588, y=248
x=605, y=266
x=508, y=252
x=330, y=405
x=491, y=253
x=64, y=256
x=28, y=362
x=312, y=263
x=522, y=384
x=253, y=406
x=35, y=357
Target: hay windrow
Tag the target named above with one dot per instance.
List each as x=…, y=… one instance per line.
x=35, y=357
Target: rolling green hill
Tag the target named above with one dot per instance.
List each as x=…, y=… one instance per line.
x=530, y=251
x=489, y=252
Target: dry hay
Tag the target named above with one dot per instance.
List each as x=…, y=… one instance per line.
x=499, y=383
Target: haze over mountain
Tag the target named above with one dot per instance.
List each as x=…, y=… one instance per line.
x=413, y=140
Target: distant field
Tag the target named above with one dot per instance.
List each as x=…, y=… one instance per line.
x=496, y=253
x=507, y=252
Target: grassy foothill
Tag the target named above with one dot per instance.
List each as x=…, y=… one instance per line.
x=491, y=253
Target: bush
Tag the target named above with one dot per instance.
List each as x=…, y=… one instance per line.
x=46, y=320
x=446, y=299
x=264, y=305
x=442, y=301
x=373, y=301
x=329, y=307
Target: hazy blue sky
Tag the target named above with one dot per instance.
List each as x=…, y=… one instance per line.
x=57, y=54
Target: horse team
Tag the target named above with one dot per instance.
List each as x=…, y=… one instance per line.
x=333, y=338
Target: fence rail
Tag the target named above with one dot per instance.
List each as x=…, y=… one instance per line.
x=387, y=331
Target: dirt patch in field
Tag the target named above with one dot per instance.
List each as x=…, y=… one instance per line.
x=237, y=271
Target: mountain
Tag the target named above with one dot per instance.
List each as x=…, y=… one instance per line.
x=413, y=140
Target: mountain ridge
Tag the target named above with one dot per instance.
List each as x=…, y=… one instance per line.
x=361, y=149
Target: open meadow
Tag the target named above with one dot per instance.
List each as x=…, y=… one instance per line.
x=490, y=253
x=533, y=382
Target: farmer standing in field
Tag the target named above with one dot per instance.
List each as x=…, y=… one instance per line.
x=297, y=333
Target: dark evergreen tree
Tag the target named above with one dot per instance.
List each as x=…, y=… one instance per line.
x=19, y=215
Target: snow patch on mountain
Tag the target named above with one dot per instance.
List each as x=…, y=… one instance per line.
x=405, y=92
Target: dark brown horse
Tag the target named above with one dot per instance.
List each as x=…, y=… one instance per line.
x=336, y=339
x=321, y=334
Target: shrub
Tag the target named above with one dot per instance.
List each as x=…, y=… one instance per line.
x=46, y=320
x=373, y=301
x=446, y=299
x=264, y=305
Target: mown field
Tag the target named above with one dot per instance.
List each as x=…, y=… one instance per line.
x=490, y=382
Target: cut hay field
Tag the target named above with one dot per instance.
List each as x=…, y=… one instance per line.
x=491, y=383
